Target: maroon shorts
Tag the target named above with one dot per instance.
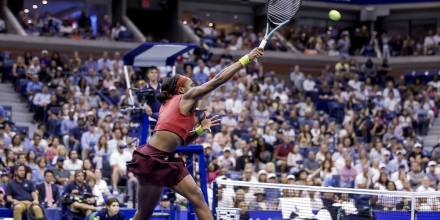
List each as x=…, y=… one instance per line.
x=157, y=167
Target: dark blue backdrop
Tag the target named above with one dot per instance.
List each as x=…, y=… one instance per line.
x=363, y=2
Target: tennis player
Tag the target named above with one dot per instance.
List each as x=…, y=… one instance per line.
x=154, y=164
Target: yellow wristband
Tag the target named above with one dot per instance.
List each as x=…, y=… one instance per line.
x=200, y=130
x=245, y=60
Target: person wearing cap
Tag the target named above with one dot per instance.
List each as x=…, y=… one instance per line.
x=272, y=195
x=61, y=175
x=112, y=145
x=418, y=152
x=165, y=204
x=431, y=173
x=259, y=204
x=262, y=176
x=118, y=160
x=226, y=160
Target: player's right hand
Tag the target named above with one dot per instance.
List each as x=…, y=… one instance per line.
x=256, y=53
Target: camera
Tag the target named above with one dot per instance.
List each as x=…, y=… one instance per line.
x=146, y=96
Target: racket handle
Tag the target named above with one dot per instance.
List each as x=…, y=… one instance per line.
x=263, y=44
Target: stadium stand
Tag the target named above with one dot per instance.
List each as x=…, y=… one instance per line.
x=353, y=124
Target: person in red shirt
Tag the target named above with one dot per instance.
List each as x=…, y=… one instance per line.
x=154, y=164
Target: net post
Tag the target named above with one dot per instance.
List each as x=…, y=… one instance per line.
x=202, y=173
x=413, y=207
x=145, y=127
x=192, y=150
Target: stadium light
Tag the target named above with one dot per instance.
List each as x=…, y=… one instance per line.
x=34, y=6
x=26, y=10
x=44, y=2
x=211, y=24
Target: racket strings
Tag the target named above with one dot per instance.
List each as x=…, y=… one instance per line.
x=280, y=11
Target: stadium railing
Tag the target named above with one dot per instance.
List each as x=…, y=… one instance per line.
x=286, y=201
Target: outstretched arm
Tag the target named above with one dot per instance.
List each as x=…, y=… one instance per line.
x=226, y=74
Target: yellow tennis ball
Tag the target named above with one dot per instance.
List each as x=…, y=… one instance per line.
x=335, y=15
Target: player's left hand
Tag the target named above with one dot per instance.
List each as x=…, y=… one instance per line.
x=207, y=123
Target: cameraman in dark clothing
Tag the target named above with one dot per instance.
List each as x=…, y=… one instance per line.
x=22, y=194
x=77, y=195
x=148, y=91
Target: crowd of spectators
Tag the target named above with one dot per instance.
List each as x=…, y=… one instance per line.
x=351, y=126
x=360, y=41
x=320, y=41
x=81, y=145
x=75, y=28
x=239, y=38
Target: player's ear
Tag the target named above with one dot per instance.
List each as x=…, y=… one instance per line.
x=181, y=90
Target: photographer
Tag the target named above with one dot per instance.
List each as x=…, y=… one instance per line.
x=148, y=91
x=78, y=196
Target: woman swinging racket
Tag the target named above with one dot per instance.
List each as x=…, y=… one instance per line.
x=154, y=164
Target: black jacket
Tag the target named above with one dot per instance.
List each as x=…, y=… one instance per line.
x=41, y=188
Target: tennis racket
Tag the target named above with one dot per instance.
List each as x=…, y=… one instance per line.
x=279, y=13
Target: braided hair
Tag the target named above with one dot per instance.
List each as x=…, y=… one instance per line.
x=168, y=88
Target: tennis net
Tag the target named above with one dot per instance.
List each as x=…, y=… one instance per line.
x=254, y=200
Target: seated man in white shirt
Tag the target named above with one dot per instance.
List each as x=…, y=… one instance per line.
x=73, y=163
x=118, y=160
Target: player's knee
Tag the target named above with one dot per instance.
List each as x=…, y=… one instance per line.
x=197, y=197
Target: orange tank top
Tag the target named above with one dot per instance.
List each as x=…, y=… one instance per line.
x=171, y=119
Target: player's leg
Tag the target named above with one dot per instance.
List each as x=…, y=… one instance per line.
x=148, y=196
x=188, y=188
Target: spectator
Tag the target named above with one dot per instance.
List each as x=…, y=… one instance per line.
x=78, y=196
x=226, y=160
x=73, y=164
x=111, y=211
x=347, y=173
x=310, y=164
x=118, y=160
x=22, y=195
x=89, y=139
x=48, y=194
x=60, y=174
x=117, y=30
x=165, y=204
